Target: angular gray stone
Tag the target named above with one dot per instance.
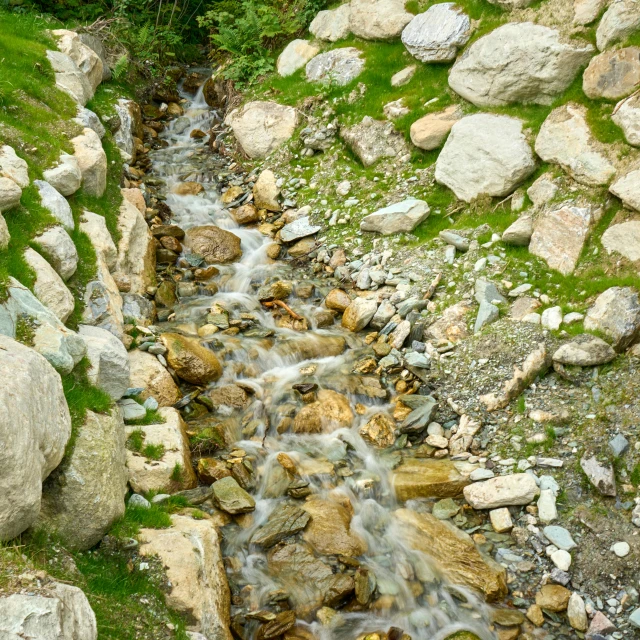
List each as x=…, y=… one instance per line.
x=518, y=62
x=229, y=496
x=519, y=232
x=487, y=314
x=55, y=203
x=565, y=139
x=378, y=19
x=584, y=351
x=619, y=21
x=616, y=314
x=560, y=537
x=486, y=291
x=332, y=25
x=484, y=155
x=627, y=188
x=372, y=140
x=283, y=522
x=300, y=228
x=401, y=217
x=131, y=410
x=90, y=120
x=69, y=78
x=618, y=445
x=455, y=240
x=438, y=33
x=600, y=474
x=57, y=247
x=336, y=67
x=95, y=473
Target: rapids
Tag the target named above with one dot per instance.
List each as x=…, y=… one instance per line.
x=269, y=367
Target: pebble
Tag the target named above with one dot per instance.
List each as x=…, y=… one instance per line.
x=501, y=520
x=481, y=474
x=619, y=445
x=136, y=500
x=621, y=549
x=562, y=559
x=560, y=537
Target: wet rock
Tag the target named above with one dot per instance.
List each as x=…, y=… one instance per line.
x=277, y=627
x=230, y=395
x=484, y=154
x=553, y=597
x=379, y=431
x=295, y=56
x=282, y=523
x=437, y=34
x=266, y=191
x=519, y=233
x=329, y=531
x=94, y=473
x=246, y=214
x=336, y=67
x=309, y=582
x=619, y=21
x=210, y=470
x=454, y=552
x=612, y=74
x=300, y=228
x=502, y=491
x=261, y=127
x=365, y=583
x=430, y=131
x=500, y=68
x=584, y=351
x=401, y=217
x=198, y=588
x=616, y=314
x=215, y=245
x=160, y=475
x=338, y=300
x=279, y=290
x=378, y=19
x=229, y=496
x=329, y=412
x=565, y=139
x=372, y=140
x=358, y=314
x=600, y=474
x=332, y=25
x=59, y=611
x=624, y=239
x=190, y=360
x=187, y=188
x=428, y=479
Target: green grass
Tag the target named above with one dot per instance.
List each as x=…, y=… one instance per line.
x=136, y=518
x=634, y=477
x=153, y=417
x=81, y=397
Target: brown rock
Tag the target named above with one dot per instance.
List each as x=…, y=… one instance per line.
x=187, y=189
x=197, y=134
x=535, y=615
x=612, y=74
x=273, y=251
x=428, y=479
x=215, y=245
x=454, y=552
x=302, y=248
x=246, y=214
x=231, y=194
x=329, y=531
x=338, y=300
x=553, y=597
x=379, y=431
x=147, y=373
x=171, y=243
x=452, y=325
x=210, y=470
x=330, y=412
x=431, y=130
x=174, y=110
x=230, y=395
x=190, y=360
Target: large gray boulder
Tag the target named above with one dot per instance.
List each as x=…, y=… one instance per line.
x=400, y=217
x=57, y=247
x=94, y=474
x=13, y=166
x=69, y=78
x=619, y=21
x=332, y=25
x=484, y=155
x=336, y=67
x=62, y=347
x=109, y=361
x=378, y=19
x=616, y=314
x=372, y=140
x=92, y=161
x=49, y=287
x=55, y=203
x=58, y=612
x=103, y=302
x=518, y=62
x=438, y=33
x=261, y=127
x=85, y=58
x=559, y=235
x=66, y=176
x=565, y=139
x=35, y=426
x=95, y=226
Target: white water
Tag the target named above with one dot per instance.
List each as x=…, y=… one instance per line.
x=433, y=615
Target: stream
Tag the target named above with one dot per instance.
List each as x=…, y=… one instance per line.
x=280, y=370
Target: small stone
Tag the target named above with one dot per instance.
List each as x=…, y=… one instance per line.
x=501, y=520
x=600, y=626
x=553, y=597
x=403, y=77
x=535, y=615
x=562, y=559
x=577, y=613
x=136, y=500
x=621, y=549
x=600, y=475
x=445, y=509
x=552, y=318
x=618, y=445
x=231, y=497
x=560, y=537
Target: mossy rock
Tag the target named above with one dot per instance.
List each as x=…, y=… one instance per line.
x=462, y=635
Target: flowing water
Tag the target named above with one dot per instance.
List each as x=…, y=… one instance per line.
x=411, y=594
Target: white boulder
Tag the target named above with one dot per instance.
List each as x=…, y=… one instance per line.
x=66, y=176
x=35, y=426
x=401, y=217
x=70, y=43
x=378, y=19
x=69, y=78
x=92, y=161
x=95, y=226
x=619, y=21
x=103, y=302
x=13, y=167
x=623, y=238
x=336, y=67
x=627, y=116
x=55, y=203
x=10, y=194
x=295, y=56
x=57, y=247
x=333, y=24
x=502, y=491
x=484, y=155
x=90, y=120
x=627, y=188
